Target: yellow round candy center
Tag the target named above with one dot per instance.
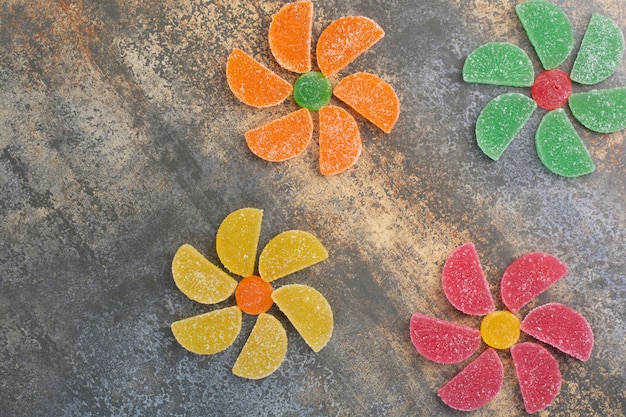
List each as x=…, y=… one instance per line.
x=500, y=329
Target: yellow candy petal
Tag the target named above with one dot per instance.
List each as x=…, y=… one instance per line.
x=289, y=252
x=199, y=279
x=308, y=311
x=264, y=351
x=209, y=333
x=237, y=240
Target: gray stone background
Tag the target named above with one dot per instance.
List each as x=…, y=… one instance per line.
x=120, y=141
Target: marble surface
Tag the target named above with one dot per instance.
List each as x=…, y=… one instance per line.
x=120, y=141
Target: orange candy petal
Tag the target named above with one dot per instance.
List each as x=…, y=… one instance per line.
x=290, y=36
x=371, y=97
x=340, y=140
x=253, y=83
x=282, y=138
x=344, y=40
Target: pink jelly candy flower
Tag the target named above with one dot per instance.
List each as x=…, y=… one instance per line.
x=537, y=371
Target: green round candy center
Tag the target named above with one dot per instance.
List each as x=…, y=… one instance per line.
x=312, y=90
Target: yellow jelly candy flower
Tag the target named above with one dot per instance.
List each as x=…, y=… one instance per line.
x=202, y=281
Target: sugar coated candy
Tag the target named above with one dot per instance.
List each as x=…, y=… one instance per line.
x=562, y=327
x=559, y=147
x=538, y=375
x=499, y=63
x=600, y=52
x=548, y=29
x=464, y=283
x=528, y=276
x=501, y=120
x=476, y=385
x=309, y=312
x=442, y=341
x=264, y=350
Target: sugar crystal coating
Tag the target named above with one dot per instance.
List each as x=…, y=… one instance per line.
x=309, y=312
x=600, y=52
x=340, y=140
x=501, y=120
x=548, y=29
x=290, y=36
x=198, y=278
x=371, y=97
x=237, y=240
x=562, y=327
x=602, y=111
x=538, y=375
x=264, y=350
x=209, y=333
x=464, y=283
x=344, y=40
x=499, y=63
x=559, y=147
x=289, y=252
x=528, y=276
x=283, y=138
x=442, y=341
x=476, y=385
x=253, y=83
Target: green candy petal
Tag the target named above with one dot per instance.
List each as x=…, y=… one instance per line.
x=559, y=147
x=602, y=111
x=499, y=63
x=600, y=53
x=549, y=31
x=501, y=120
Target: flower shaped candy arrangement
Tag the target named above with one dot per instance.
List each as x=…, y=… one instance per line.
x=537, y=370
x=338, y=45
x=204, y=282
x=558, y=145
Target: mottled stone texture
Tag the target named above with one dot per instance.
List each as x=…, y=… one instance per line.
x=120, y=141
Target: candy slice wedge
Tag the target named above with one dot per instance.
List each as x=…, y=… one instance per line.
x=442, y=341
x=289, y=252
x=237, y=240
x=527, y=277
x=282, y=139
x=538, y=375
x=340, y=140
x=559, y=147
x=499, y=63
x=501, y=120
x=371, y=97
x=308, y=311
x=290, y=36
x=344, y=40
x=464, y=283
x=264, y=350
x=600, y=52
x=476, y=385
x=209, y=333
x=602, y=111
x=548, y=29
x=253, y=83
x=562, y=327
x=199, y=279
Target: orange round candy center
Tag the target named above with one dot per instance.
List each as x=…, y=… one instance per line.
x=253, y=295
x=500, y=329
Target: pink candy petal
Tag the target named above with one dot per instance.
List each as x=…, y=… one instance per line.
x=527, y=277
x=464, y=283
x=442, y=341
x=562, y=327
x=538, y=375
x=476, y=385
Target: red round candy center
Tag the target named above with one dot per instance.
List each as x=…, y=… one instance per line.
x=552, y=89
